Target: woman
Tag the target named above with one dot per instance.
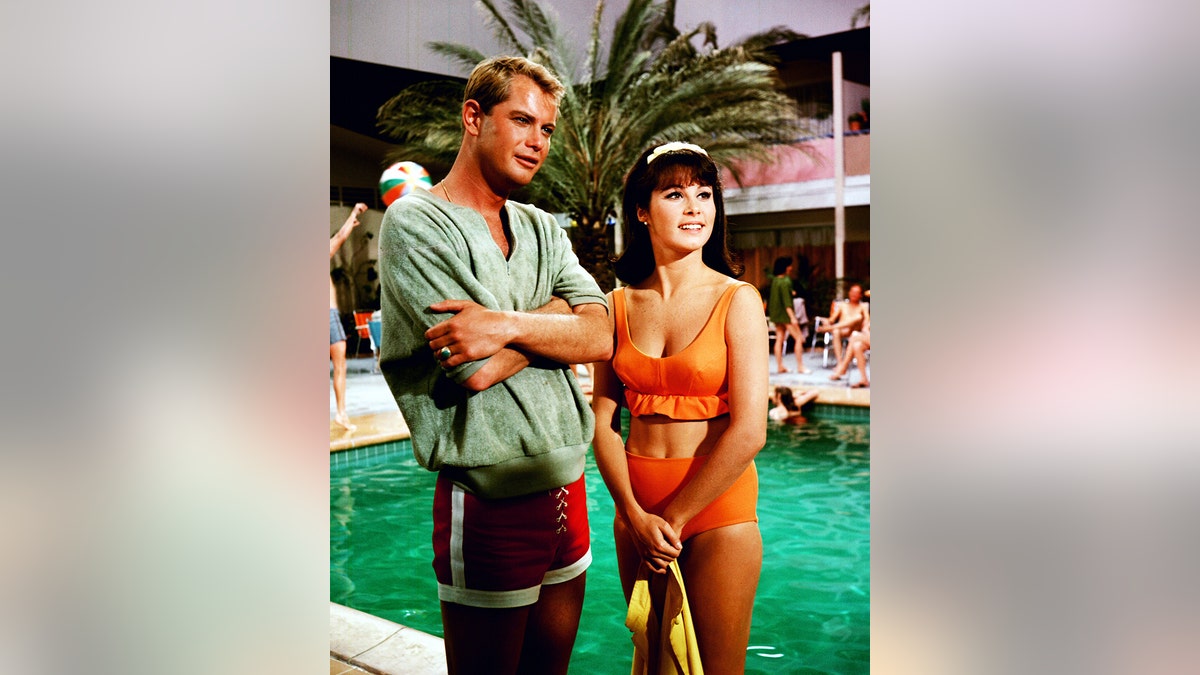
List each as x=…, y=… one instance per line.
x=787, y=407
x=690, y=364
x=781, y=313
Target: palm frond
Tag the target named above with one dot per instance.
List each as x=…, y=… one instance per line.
x=757, y=45
x=463, y=55
x=533, y=21
x=628, y=35
x=592, y=70
x=502, y=29
x=862, y=14
x=424, y=122
x=657, y=84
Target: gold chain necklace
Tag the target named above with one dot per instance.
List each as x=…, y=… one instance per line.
x=445, y=191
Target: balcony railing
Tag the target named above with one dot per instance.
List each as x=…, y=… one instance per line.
x=823, y=128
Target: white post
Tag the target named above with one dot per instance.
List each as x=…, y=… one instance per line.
x=839, y=179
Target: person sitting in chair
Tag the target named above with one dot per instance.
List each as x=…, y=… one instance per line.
x=860, y=342
x=849, y=315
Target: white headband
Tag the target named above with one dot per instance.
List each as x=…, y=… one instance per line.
x=675, y=146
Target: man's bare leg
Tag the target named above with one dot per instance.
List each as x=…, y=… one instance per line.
x=843, y=363
x=859, y=348
x=840, y=369
x=551, y=628
x=337, y=354
x=532, y=640
x=483, y=641
x=839, y=333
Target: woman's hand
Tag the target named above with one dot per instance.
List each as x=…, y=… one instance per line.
x=656, y=541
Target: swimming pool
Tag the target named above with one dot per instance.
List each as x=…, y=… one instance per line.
x=812, y=611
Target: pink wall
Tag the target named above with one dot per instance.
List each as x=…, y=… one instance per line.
x=794, y=166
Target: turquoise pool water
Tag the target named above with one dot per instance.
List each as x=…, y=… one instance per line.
x=812, y=611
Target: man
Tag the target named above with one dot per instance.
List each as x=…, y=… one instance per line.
x=860, y=342
x=846, y=317
x=484, y=307
x=337, y=335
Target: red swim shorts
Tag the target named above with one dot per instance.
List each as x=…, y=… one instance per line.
x=499, y=552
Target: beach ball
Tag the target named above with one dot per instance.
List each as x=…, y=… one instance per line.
x=398, y=180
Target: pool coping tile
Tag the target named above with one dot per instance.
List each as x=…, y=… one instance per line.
x=381, y=646
x=372, y=429
x=382, y=427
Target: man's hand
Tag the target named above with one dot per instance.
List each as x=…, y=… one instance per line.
x=474, y=332
x=359, y=209
x=343, y=233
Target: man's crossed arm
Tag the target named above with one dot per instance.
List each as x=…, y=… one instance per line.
x=555, y=331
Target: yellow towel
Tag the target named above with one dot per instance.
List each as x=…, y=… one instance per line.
x=664, y=641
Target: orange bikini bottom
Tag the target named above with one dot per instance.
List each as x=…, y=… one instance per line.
x=657, y=480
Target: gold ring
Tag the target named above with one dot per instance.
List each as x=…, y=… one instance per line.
x=444, y=353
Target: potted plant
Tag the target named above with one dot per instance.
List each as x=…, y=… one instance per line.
x=857, y=120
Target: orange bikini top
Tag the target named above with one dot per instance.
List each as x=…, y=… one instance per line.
x=692, y=384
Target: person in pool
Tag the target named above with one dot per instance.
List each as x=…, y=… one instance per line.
x=690, y=364
x=788, y=407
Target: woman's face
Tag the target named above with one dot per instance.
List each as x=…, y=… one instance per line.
x=680, y=217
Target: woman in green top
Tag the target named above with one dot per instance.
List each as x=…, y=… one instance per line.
x=780, y=312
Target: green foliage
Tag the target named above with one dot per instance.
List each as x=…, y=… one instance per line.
x=862, y=14
x=656, y=85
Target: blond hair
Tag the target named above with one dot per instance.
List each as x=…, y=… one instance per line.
x=491, y=80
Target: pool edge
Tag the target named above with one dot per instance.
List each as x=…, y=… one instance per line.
x=384, y=427
x=381, y=646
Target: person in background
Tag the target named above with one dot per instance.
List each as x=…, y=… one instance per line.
x=781, y=313
x=690, y=365
x=485, y=306
x=788, y=407
x=337, y=334
x=846, y=317
x=856, y=348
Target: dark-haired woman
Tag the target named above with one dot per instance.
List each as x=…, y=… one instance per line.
x=690, y=364
x=781, y=313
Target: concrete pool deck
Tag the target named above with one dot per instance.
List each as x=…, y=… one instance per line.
x=362, y=643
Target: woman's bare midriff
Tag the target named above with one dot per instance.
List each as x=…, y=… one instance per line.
x=662, y=437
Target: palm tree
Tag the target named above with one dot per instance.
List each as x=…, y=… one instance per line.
x=862, y=14
x=655, y=86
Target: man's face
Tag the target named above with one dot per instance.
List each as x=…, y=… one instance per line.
x=514, y=137
x=855, y=293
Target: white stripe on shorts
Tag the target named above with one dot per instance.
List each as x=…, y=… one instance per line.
x=571, y=571
x=458, y=575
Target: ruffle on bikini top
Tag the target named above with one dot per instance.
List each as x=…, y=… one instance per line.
x=692, y=384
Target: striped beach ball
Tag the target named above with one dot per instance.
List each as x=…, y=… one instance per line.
x=398, y=180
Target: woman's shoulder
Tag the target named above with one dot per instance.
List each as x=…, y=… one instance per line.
x=737, y=287
x=743, y=305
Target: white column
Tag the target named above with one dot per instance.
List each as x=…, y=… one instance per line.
x=839, y=179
